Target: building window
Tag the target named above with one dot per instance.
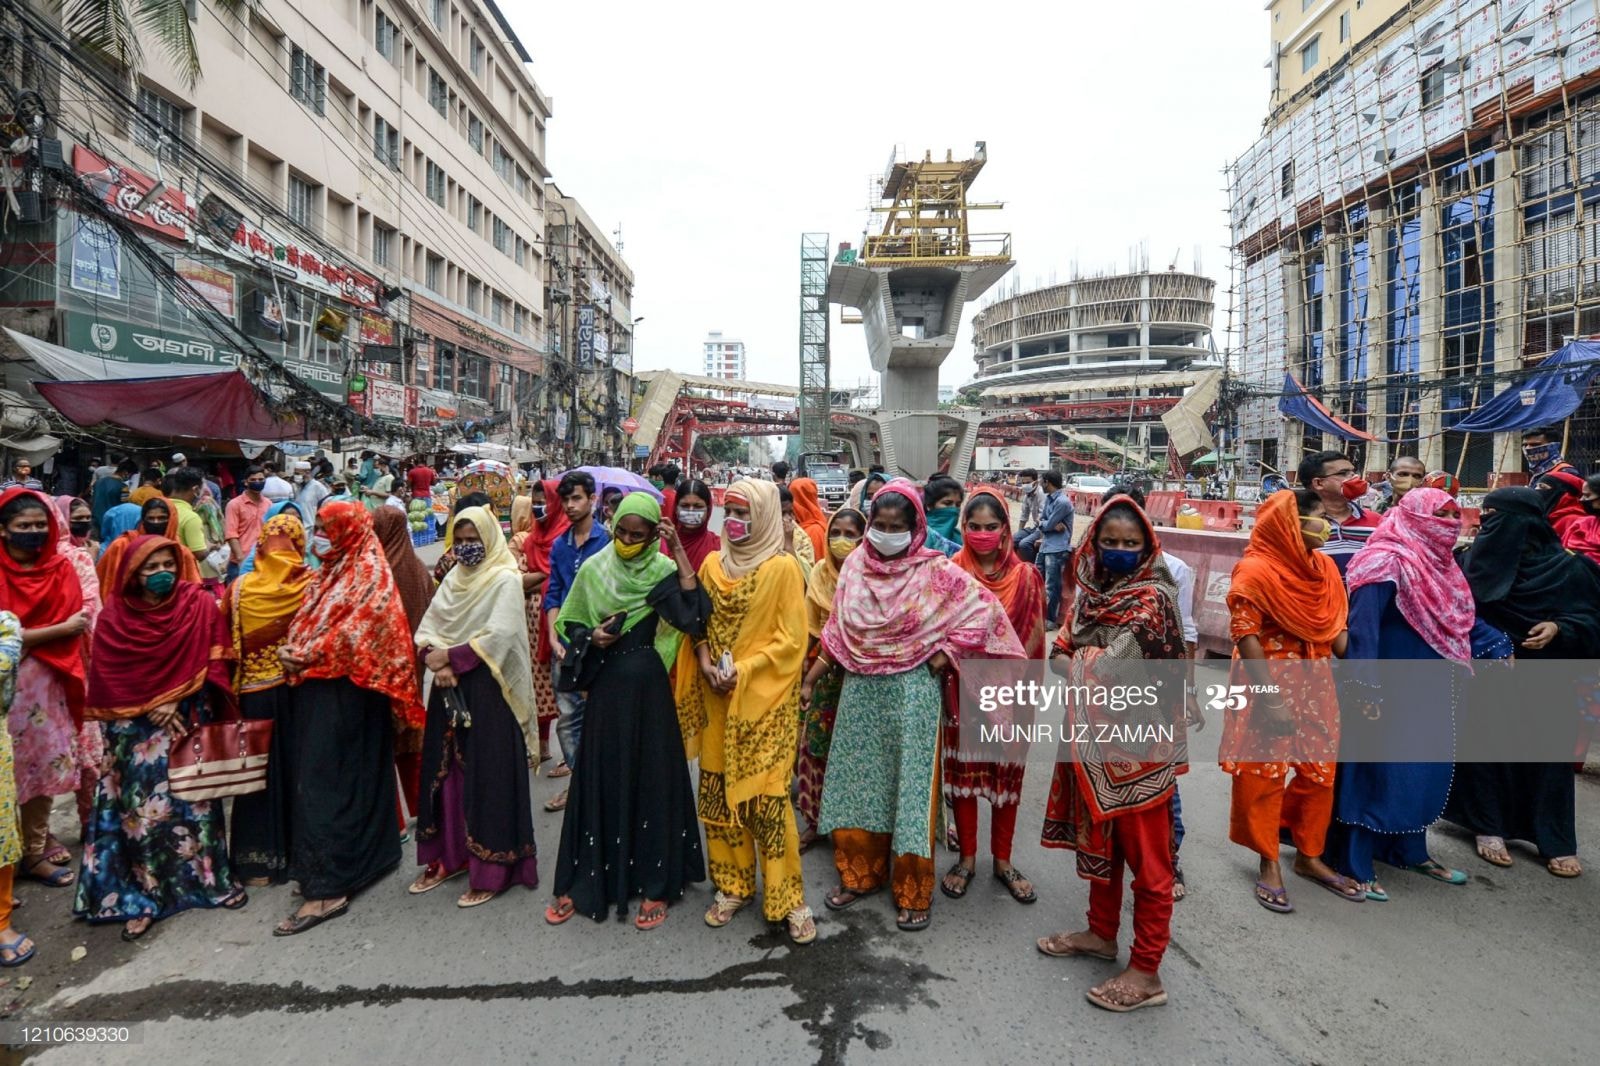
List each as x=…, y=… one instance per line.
x=433, y=275
x=498, y=310
x=475, y=133
x=308, y=81
x=474, y=212
x=386, y=143
x=519, y=320
x=382, y=245
x=159, y=126
x=444, y=368
x=1433, y=86
x=502, y=236
x=435, y=183
x=1308, y=55
x=385, y=35
x=476, y=56
x=438, y=92
x=522, y=252
x=475, y=296
x=1305, y=5
x=1344, y=27
x=524, y=185
x=1286, y=180
x=504, y=165
x=303, y=202
x=441, y=12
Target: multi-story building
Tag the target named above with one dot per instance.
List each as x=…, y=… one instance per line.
x=589, y=300
x=1414, y=225
x=382, y=161
x=724, y=356
x=1103, y=355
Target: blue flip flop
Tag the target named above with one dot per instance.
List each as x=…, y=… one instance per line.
x=1274, y=899
x=1440, y=872
x=12, y=946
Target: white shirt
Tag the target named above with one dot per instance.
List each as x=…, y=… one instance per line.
x=309, y=498
x=277, y=490
x=1183, y=574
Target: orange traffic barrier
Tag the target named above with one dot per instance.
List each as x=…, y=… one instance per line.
x=1222, y=516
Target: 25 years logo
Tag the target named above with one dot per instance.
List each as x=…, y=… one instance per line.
x=1234, y=697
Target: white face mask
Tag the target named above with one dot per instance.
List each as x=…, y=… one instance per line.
x=693, y=517
x=889, y=544
x=320, y=545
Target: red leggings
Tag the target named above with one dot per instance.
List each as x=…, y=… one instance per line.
x=1002, y=826
x=1142, y=840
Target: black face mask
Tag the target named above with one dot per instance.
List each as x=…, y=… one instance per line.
x=80, y=529
x=255, y=486
x=156, y=529
x=30, y=542
x=1591, y=507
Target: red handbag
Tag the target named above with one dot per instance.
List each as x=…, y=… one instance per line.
x=226, y=758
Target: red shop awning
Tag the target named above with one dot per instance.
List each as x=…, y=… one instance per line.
x=210, y=406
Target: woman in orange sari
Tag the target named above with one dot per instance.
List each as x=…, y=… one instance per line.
x=987, y=555
x=809, y=515
x=1287, y=604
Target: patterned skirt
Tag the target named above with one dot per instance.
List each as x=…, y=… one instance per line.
x=816, y=736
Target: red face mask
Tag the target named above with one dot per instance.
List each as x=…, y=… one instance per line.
x=984, y=541
x=1355, y=488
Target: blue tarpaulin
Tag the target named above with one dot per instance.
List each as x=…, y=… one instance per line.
x=1550, y=393
x=1296, y=402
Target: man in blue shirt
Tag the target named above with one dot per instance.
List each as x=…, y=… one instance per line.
x=584, y=538
x=1055, y=545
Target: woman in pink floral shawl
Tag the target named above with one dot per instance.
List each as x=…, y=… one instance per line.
x=902, y=615
x=91, y=746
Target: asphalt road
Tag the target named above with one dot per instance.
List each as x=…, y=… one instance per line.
x=1502, y=969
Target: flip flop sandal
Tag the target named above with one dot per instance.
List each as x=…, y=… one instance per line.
x=55, y=852
x=1339, y=885
x=650, y=917
x=59, y=877
x=855, y=897
x=1159, y=999
x=962, y=872
x=235, y=901
x=802, y=925
x=563, y=770
x=559, y=803
x=1567, y=873
x=1046, y=946
x=130, y=937
x=1374, y=891
x=433, y=869
x=1440, y=872
x=1492, y=850
x=301, y=922
x=915, y=925
x=555, y=914
x=1009, y=878
x=466, y=904
x=1274, y=899
x=12, y=946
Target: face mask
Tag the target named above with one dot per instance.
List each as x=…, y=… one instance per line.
x=1403, y=482
x=983, y=541
x=320, y=546
x=737, y=530
x=538, y=510
x=1317, y=532
x=161, y=584
x=30, y=542
x=156, y=529
x=254, y=486
x=629, y=551
x=1591, y=507
x=839, y=547
x=80, y=529
x=943, y=521
x=1354, y=488
x=693, y=517
x=889, y=544
x=657, y=482
x=1119, y=560
x=1538, y=455
x=471, y=554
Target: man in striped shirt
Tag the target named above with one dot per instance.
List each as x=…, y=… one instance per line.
x=1333, y=478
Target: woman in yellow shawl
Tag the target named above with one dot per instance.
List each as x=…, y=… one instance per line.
x=260, y=606
x=844, y=532
x=477, y=809
x=739, y=701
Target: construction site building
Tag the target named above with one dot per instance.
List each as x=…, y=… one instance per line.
x=1412, y=227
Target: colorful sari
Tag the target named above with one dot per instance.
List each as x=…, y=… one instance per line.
x=816, y=720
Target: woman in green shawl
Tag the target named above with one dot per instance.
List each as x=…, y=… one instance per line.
x=630, y=827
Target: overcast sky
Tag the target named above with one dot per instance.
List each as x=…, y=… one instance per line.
x=716, y=133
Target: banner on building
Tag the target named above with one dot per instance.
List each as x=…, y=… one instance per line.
x=1036, y=457
x=216, y=284
x=96, y=259
x=171, y=214
x=585, y=336
x=388, y=400
x=306, y=266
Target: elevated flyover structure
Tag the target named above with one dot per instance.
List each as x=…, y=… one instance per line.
x=910, y=284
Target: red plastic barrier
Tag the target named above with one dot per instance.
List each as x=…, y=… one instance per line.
x=1162, y=507
x=1212, y=555
x=1471, y=519
x=1221, y=516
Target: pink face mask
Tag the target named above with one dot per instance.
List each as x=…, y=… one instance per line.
x=736, y=529
x=984, y=541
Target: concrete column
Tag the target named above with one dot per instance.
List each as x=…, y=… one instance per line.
x=1377, y=334
x=1333, y=252
x=1144, y=317
x=1430, y=319
x=1507, y=299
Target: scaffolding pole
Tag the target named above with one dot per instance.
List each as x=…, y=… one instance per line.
x=816, y=430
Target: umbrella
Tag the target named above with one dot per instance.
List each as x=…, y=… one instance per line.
x=1210, y=459
x=614, y=477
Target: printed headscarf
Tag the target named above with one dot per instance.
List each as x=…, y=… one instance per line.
x=47, y=594
x=1414, y=549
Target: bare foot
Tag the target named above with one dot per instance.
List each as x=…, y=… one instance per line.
x=1085, y=943
x=1128, y=990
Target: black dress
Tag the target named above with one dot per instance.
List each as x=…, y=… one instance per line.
x=259, y=828
x=631, y=827
x=339, y=761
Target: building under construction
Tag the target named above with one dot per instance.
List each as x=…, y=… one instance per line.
x=1413, y=227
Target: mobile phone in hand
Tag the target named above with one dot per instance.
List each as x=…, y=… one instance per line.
x=613, y=625
x=725, y=665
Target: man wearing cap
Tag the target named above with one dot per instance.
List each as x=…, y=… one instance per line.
x=309, y=493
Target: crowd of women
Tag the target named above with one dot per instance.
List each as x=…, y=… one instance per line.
x=724, y=700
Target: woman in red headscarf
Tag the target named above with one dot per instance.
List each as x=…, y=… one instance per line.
x=161, y=659
x=39, y=585
x=348, y=654
x=549, y=522
x=987, y=554
x=1287, y=603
